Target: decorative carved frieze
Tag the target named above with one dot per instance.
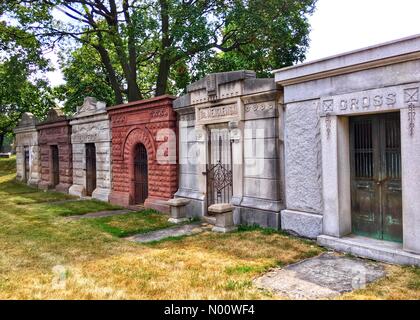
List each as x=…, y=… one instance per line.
x=159, y=113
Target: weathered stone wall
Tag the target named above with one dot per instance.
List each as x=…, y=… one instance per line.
x=56, y=131
x=303, y=157
x=27, y=139
x=152, y=123
x=91, y=125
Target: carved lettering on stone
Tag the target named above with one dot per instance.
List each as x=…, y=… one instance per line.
x=372, y=100
x=217, y=112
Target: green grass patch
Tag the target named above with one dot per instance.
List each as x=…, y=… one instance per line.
x=132, y=223
x=74, y=208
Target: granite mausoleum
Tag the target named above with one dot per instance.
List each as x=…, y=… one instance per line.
x=27, y=150
x=91, y=147
x=144, y=153
x=231, y=146
x=55, y=152
x=352, y=151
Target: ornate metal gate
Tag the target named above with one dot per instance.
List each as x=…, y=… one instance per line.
x=55, y=174
x=90, y=168
x=219, y=167
x=376, y=176
x=26, y=164
x=140, y=174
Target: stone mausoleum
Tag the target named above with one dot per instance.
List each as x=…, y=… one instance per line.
x=91, y=148
x=55, y=152
x=27, y=150
x=352, y=151
x=144, y=153
x=231, y=147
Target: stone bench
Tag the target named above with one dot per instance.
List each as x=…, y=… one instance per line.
x=178, y=210
x=224, y=217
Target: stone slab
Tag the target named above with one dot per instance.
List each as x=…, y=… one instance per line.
x=322, y=277
x=301, y=223
x=179, y=231
x=370, y=248
x=220, y=208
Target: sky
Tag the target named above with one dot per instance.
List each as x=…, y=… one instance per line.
x=339, y=26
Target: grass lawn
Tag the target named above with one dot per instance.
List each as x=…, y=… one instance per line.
x=44, y=255
x=132, y=223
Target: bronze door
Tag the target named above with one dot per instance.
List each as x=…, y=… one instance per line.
x=26, y=164
x=376, y=191
x=219, y=168
x=55, y=168
x=90, y=168
x=140, y=174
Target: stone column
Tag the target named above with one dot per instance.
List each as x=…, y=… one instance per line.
x=236, y=136
x=202, y=140
x=410, y=159
x=336, y=176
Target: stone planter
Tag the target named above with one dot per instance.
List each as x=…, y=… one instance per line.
x=224, y=217
x=178, y=210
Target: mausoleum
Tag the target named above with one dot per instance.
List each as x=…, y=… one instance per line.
x=91, y=148
x=27, y=150
x=55, y=152
x=231, y=147
x=144, y=153
x=352, y=151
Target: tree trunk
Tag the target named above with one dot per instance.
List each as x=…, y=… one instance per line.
x=1, y=141
x=163, y=75
x=111, y=73
x=164, y=64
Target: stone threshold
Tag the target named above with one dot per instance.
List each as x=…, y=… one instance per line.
x=385, y=251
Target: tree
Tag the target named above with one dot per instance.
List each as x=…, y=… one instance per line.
x=137, y=38
x=22, y=88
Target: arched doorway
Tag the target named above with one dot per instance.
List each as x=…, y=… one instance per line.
x=140, y=174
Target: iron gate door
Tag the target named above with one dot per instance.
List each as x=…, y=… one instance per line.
x=219, y=167
x=140, y=174
x=55, y=166
x=26, y=164
x=376, y=190
x=90, y=168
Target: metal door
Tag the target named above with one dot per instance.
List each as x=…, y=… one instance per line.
x=376, y=176
x=90, y=168
x=140, y=174
x=55, y=168
x=219, y=167
x=26, y=164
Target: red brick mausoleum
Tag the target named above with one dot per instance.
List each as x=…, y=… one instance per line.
x=55, y=152
x=144, y=153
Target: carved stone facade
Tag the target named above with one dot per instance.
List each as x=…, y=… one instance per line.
x=27, y=150
x=150, y=124
x=55, y=138
x=231, y=142
x=91, y=128
x=322, y=100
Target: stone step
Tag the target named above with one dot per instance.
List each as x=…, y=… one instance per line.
x=370, y=248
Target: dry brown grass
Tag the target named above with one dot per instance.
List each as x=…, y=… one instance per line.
x=401, y=283
x=46, y=256
x=38, y=246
